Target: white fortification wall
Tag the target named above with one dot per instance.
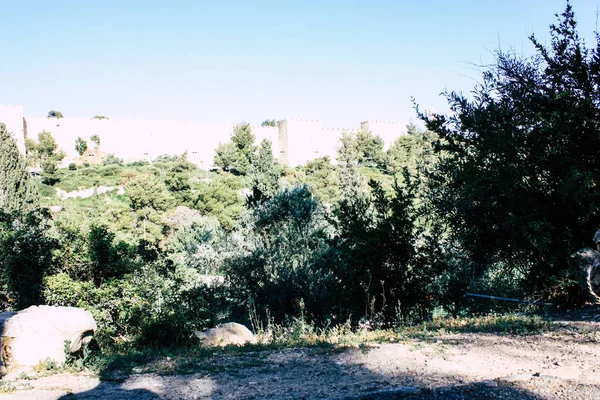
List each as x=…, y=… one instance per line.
x=387, y=130
x=295, y=141
x=135, y=139
x=12, y=116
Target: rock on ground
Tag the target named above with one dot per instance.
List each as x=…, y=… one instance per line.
x=39, y=333
x=225, y=334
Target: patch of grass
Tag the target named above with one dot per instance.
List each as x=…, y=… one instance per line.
x=48, y=365
x=25, y=377
x=514, y=324
x=7, y=387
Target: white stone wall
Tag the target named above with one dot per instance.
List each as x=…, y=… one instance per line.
x=133, y=139
x=12, y=116
x=295, y=141
x=387, y=130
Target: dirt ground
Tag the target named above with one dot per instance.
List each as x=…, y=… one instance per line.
x=560, y=364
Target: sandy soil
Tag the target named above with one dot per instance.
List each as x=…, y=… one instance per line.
x=562, y=364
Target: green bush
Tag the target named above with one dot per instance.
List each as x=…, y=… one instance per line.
x=160, y=165
x=138, y=163
x=26, y=253
x=112, y=170
x=112, y=159
x=165, y=158
x=221, y=199
x=286, y=266
x=87, y=171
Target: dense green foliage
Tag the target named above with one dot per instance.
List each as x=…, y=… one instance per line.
x=269, y=122
x=370, y=149
x=237, y=154
x=26, y=253
x=178, y=179
x=519, y=184
x=17, y=193
x=80, y=145
x=55, y=114
x=221, y=198
x=492, y=198
x=45, y=154
x=263, y=174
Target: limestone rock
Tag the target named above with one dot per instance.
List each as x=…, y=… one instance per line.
x=225, y=334
x=39, y=332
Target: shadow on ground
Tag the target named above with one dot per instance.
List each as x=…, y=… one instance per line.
x=111, y=391
x=291, y=374
x=327, y=372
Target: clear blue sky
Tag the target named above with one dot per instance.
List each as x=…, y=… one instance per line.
x=229, y=61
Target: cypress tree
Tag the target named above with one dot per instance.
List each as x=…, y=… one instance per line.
x=17, y=193
x=264, y=174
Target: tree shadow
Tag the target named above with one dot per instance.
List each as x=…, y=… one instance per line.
x=301, y=373
x=109, y=391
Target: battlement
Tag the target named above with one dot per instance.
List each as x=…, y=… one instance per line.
x=341, y=129
x=301, y=120
x=383, y=122
x=11, y=107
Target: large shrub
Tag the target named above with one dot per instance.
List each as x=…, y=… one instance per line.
x=285, y=262
x=519, y=183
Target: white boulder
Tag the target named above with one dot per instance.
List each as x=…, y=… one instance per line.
x=39, y=333
x=225, y=334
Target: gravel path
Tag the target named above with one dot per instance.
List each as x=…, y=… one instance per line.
x=562, y=364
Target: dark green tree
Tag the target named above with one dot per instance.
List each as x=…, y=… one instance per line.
x=178, y=179
x=17, y=193
x=243, y=139
x=45, y=153
x=226, y=156
x=148, y=199
x=237, y=154
x=323, y=178
x=108, y=258
x=269, y=122
x=519, y=183
x=285, y=267
x=55, y=114
x=221, y=199
x=80, y=145
x=414, y=151
x=264, y=174
x=25, y=256
x=370, y=149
